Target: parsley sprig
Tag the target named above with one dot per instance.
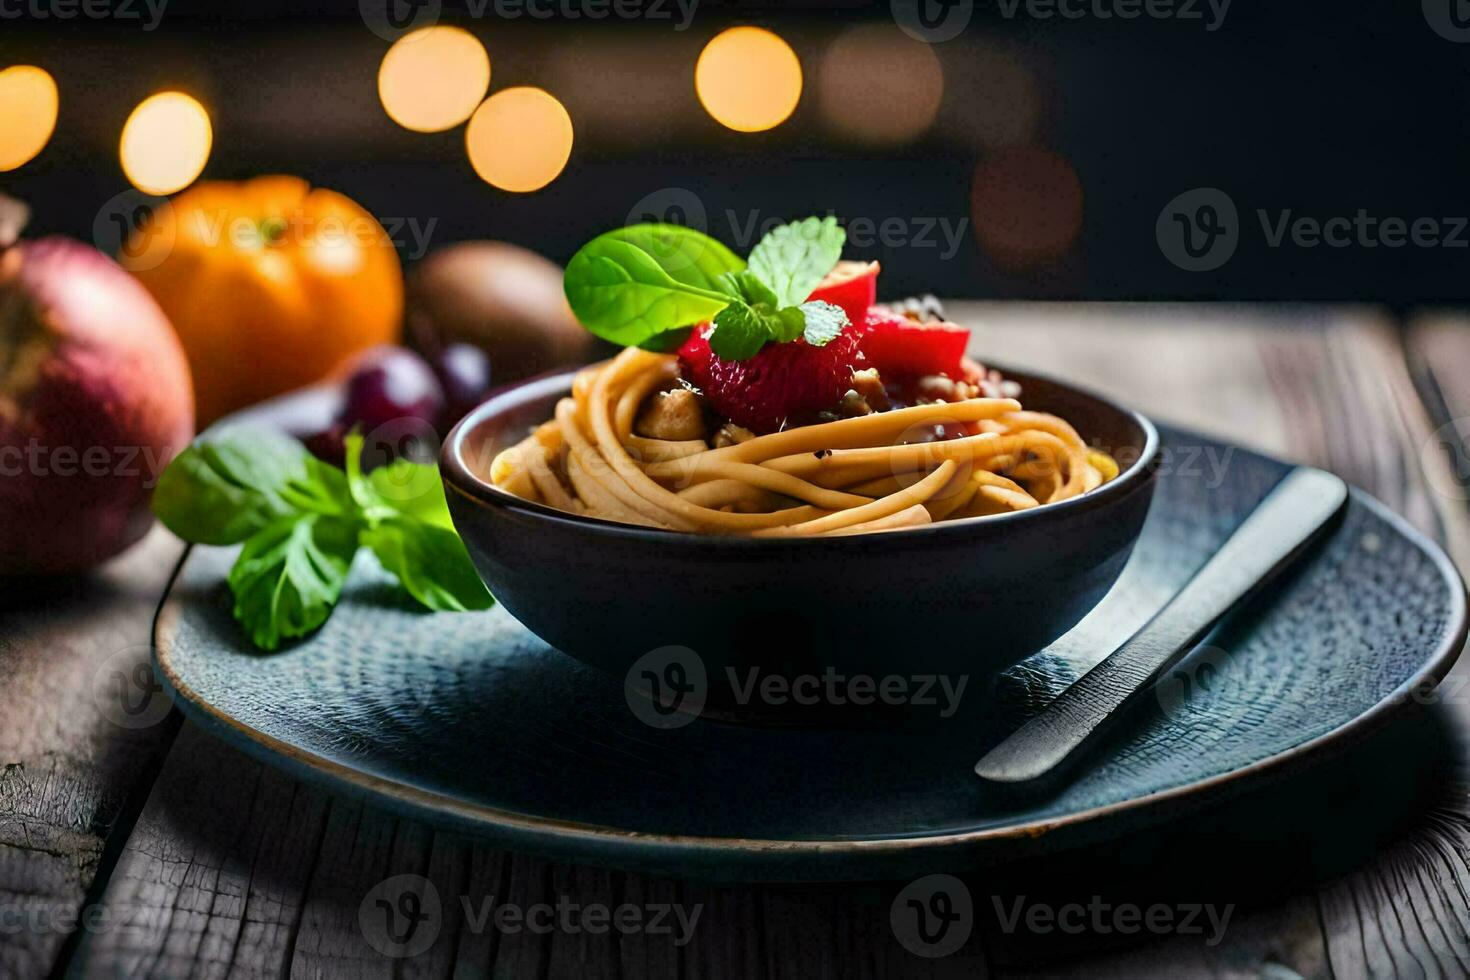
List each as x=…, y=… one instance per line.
x=301, y=522
x=644, y=285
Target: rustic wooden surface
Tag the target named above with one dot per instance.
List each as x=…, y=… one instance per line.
x=207, y=863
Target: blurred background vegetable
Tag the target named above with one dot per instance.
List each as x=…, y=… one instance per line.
x=270, y=283
x=94, y=400
x=502, y=298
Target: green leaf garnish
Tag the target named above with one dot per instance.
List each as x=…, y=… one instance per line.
x=289, y=576
x=627, y=295
x=224, y=490
x=742, y=330
x=823, y=321
x=645, y=285
x=302, y=521
x=750, y=322
x=747, y=287
x=688, y=256
x=793, y=258
x=430, y=561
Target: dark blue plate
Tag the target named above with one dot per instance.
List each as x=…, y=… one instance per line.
x=471, y=721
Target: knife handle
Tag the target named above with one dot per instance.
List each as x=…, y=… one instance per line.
x=1270, y=538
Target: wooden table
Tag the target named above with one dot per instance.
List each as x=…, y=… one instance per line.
x=136, y=845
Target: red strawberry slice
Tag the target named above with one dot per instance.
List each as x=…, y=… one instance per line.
x=852, y=286
x=900, y=347
x=783, y=385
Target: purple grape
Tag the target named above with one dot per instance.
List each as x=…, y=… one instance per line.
x=326, y=445
x=464, y=371
x=389, y=384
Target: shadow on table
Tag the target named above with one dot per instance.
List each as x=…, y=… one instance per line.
x=1287, y=840
x=1282, y=840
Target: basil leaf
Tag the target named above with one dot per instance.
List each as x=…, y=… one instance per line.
x=399, y=487
x=410, y=531
x=688, y=256
x=622, y=294
x=290, y=574
x=223, y=490
x=668, y=341
x=823, y=322
x=431, y=562
x=412, y=489
x=793, y=258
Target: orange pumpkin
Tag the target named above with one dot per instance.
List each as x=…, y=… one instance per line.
x=270, y=284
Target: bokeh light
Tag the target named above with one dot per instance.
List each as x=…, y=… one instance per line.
x=519, y=139
x=166, y=143
x=1001, y=105
x=432, y=79
x=28, y=103
x=880, y=86
x=1026, y=203
x=748, y=79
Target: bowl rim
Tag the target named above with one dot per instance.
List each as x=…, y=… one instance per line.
x=457, y=475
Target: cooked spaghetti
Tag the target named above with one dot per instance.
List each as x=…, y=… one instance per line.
x=615, y=450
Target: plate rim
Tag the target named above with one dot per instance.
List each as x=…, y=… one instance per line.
x=632, y=848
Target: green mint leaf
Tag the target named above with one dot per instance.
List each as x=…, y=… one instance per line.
x=740, y=332
x=793, y=258
x=626, y=295
x=741, y=329
x=222, y=490
x=744, y=286
x=430, y=561
x=290, y=574
x=787, y=324
x=823, y=322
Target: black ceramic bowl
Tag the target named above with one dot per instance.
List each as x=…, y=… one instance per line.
x=963, y=596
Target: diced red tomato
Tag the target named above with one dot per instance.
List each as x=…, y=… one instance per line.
x=852, y=286
x=899, y=347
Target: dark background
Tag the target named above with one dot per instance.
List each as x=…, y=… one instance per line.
x=1321, y=108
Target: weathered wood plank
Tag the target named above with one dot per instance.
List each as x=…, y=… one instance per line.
x=1324, y=386
x=79, y=729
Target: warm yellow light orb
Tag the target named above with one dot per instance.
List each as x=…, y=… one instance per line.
x=166, y=143
x=28, y=103
x=519, y=139
x=433, y=78
x=748, y=79
x=879, y=85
